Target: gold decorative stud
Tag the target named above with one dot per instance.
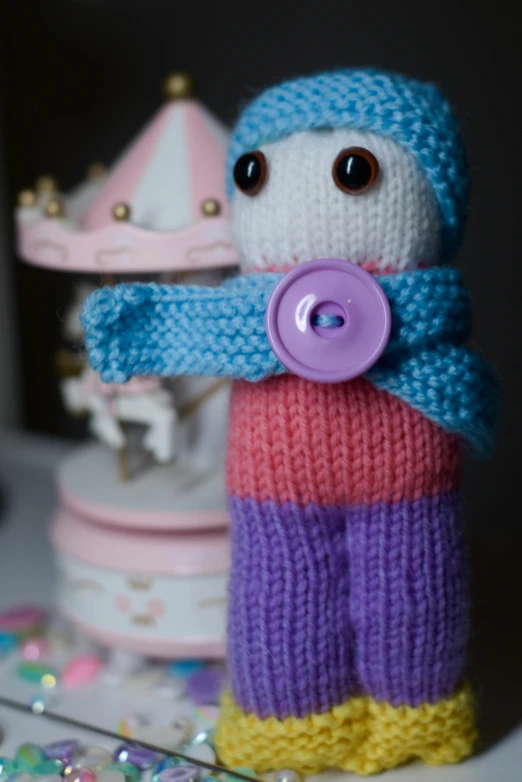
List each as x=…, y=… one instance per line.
x=26, y=198
x=46, y=184
x=178, y=85
x=55, y=208
x=121, y=212
x=96, y=172
x=210, y=207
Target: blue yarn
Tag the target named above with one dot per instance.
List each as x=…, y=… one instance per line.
x=149, y=329
x=415, y=115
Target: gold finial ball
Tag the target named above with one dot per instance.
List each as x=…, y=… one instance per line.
x=26, y=198
x=54, y=208
x=96, y=172
x=178, y=85
x=121, y=212
x=46, y=184
x=210, y=207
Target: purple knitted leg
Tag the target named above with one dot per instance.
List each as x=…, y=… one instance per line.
x=289, y=637
x=409, y=598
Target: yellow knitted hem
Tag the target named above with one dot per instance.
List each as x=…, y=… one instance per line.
x=361, y=735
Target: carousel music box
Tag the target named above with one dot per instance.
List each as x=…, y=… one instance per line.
x=140, y=534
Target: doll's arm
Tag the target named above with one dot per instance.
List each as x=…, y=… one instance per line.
x=149, y=329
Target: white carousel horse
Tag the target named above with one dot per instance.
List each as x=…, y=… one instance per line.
x=141, y=400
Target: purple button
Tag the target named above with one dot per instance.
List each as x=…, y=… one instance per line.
x=346, y=298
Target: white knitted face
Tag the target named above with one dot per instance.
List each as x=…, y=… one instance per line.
x=300, y=214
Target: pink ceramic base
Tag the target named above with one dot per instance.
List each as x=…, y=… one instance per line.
x=143, y=519
x=167, y=649
x=163, y=497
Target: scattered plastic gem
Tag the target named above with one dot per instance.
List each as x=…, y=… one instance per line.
x=7, y=767
x=247, y=772
x=20, y=776
x=62, y=750
x=22, y=620
x=167, y=762
x=34, y=649
x=79, y=774
x=202, y=751
x=203, y=737
x=141, y=757
x=287, y=775
x=183, y=669
x=188, y=773
x=37, y=673
x=129, y=771
x=48, y=766
x=93, y=758
x=28, y=756
x=205, y=686
x=81, y=669
x=8, y=643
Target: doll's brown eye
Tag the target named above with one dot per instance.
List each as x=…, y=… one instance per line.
x=250, y=172
x=355, y=170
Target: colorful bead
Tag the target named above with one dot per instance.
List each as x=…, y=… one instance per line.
x=48, y=766
x=204, y=737
x=62, y=750
x=81, y=669
x=8, y=643
x=93, y=758
x=183, y=669
x=28, y=756
x=141, y=757
x=287, y=775
x=36, y=673
x=7, y=767
x=20, y=776
x=129, y=771
x=22, y=619
x=34, y=649
x=205, y=686
x=79, y=774
x=186, y=773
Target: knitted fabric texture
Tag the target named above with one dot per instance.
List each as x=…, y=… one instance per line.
x=374, y=736
x=287, y=222
x=414, y=114
x=149, y=329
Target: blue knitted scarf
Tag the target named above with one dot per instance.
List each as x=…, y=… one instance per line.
x=150, y=329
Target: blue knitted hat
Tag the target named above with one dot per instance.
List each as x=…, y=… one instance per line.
x=413, y=114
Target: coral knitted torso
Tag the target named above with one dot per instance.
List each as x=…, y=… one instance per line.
x=348, y=571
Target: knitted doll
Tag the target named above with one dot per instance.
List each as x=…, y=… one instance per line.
x=348, y=614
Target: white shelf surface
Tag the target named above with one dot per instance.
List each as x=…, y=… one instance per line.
x=26, y=575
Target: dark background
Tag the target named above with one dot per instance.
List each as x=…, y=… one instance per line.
x=80, y=77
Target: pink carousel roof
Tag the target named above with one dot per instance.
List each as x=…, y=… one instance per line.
x=161, y=207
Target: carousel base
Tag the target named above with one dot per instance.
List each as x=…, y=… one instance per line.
x=160, y=497
x=160, y=594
